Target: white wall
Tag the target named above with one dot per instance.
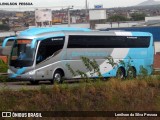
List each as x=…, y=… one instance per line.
x=115, y=25
x=152, y=18
x=157, y=46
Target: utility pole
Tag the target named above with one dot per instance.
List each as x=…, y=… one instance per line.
x=86, y=6
x=69, y=16
x=86, y=10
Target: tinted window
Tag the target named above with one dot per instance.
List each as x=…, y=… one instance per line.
x=108, y=42
x=77, y=42
x=49, y=47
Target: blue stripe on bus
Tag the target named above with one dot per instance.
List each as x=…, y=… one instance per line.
x=19, y=72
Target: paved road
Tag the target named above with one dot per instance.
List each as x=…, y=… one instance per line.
x=26, y=85
x=23, y=85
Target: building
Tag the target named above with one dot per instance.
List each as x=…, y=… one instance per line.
x=19, y=14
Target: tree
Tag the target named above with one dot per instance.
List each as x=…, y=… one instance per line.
x=5, y=21
x=138, y=16
x=4, y=27
x=117, y=18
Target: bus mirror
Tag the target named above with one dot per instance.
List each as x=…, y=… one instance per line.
x=6, y=40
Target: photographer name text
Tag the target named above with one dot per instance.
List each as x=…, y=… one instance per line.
x=16, y=3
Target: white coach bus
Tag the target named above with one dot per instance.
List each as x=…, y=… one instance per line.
x=42, y=53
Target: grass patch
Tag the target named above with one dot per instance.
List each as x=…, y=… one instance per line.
x=3, y=66
x=128, y=95
x=4, y=79
x=111, y=95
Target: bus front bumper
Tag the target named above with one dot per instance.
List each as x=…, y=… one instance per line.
x=21, y=77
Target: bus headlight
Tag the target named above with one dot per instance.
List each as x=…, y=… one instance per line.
x=31, y=72
x=9, y=71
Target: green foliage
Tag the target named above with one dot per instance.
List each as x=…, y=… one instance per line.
x=120, y=63
x=143, y=71
x=111, y=61
x=3, y=66
x=3, y=79
x=5, y=21
x=1, y=62
x=4, y=27
x=92, y=67
x=117, y=18
x=70, y=69
x=77, y=72
x=87, y=63
x=83, y=75
x=138, y=16
x=127, y=65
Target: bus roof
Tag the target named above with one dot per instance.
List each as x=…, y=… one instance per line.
x=38, y=34
x=36, y=31
x=109, y=33
x=45, y=31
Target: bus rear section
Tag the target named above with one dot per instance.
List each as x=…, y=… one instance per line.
x=131, y=53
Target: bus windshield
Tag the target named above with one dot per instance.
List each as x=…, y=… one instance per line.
x=22, y=55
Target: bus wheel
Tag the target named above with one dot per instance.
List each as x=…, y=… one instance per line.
x=120, y=73
x=34, y=82
x=57, y=77
x=131, y=73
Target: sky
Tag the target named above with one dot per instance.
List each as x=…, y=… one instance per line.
x=57, y=4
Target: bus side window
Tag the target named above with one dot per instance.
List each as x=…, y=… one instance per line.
x=50, y=47
x=41, y=54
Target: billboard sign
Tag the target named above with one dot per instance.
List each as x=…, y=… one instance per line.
x=43, y=15
x=97, y=15
x=98, y=6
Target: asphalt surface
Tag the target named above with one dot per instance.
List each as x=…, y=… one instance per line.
x=20, y=85
x=26, y=85
x=23, y=85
